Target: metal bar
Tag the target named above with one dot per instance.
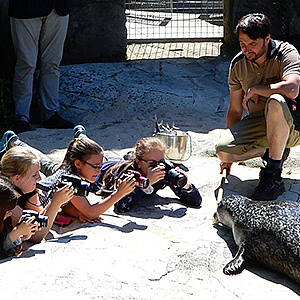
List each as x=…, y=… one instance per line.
x=174, y=21
x=175, y=40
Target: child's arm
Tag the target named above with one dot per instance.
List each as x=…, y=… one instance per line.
x=60, y=197
x=72, y=211
x=189, y=194
x=95, y=210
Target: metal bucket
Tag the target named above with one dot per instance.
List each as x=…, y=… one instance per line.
x=177, y=143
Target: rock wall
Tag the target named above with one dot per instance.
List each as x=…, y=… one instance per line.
x=96, y=32
x=7, y=55
x=284, y=16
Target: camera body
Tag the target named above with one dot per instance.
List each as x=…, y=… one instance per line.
x=40, y=219
x=172, y=175
x=81, y=187
x=141, y=181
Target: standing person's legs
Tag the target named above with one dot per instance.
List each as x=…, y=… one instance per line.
x=25, y=36
x=53, y=35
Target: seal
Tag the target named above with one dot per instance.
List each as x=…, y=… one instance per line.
x=267, y=232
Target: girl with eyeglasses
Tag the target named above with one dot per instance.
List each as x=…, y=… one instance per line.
x=83, y=158
x=148, y=159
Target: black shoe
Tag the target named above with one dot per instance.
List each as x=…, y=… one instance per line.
x=21, y=126
x=270, y=185
x=57, y=122
x=7, y=142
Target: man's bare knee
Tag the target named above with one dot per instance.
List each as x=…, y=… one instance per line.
x=274, y=107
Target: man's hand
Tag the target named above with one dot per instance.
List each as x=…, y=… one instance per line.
x=225, y=166
x=249, y=95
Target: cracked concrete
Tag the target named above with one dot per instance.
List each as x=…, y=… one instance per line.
x=161, y=249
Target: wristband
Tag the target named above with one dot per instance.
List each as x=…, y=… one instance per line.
x=189, y=189
x=17, y=242
x=149, y=190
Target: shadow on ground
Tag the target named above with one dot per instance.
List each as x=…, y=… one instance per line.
x=235, y=186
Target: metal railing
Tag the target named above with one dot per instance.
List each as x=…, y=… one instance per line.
x=158, y=21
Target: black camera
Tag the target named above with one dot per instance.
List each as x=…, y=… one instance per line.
x=81, y=187
x=42, y=220
x=141, y=181
x=172, y=175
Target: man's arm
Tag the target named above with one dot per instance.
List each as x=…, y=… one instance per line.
x=235, y=109
x=288, y=87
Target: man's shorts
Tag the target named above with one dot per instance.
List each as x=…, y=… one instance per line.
x=250, y=132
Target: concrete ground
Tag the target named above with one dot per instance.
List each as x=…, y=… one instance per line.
x=172, y=50
x=161, y=249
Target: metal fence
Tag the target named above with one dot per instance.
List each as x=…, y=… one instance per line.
x=159, y=21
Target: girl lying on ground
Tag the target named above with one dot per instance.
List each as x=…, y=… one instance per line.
x=149, y=160
x=11, y=237
x=83, y=158
x=21, y=167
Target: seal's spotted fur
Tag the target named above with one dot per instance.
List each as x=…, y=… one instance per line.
x=265, y=231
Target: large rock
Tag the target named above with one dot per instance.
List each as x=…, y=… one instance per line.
x=96, y=32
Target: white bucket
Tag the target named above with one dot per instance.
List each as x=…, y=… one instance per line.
x=177, y=143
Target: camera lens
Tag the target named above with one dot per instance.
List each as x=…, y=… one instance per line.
x=182, y=181
x=176, y=178
x=144, y=182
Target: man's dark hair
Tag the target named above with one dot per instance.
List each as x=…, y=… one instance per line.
x=255, y=25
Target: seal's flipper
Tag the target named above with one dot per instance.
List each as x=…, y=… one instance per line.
x=235, y=266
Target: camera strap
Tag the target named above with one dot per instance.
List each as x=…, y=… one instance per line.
x=25, y=197
x=99, y=187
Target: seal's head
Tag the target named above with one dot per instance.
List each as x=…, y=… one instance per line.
x=228, y=208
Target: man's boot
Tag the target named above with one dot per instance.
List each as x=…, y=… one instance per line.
x=270, y=185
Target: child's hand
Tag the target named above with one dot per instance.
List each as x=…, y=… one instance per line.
x=26, y=228
x=83, y=219
x=185, y=174
x=63, y=194
x=126, y=186
x=155, y=174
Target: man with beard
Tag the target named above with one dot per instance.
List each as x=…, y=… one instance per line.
x=264, y=81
